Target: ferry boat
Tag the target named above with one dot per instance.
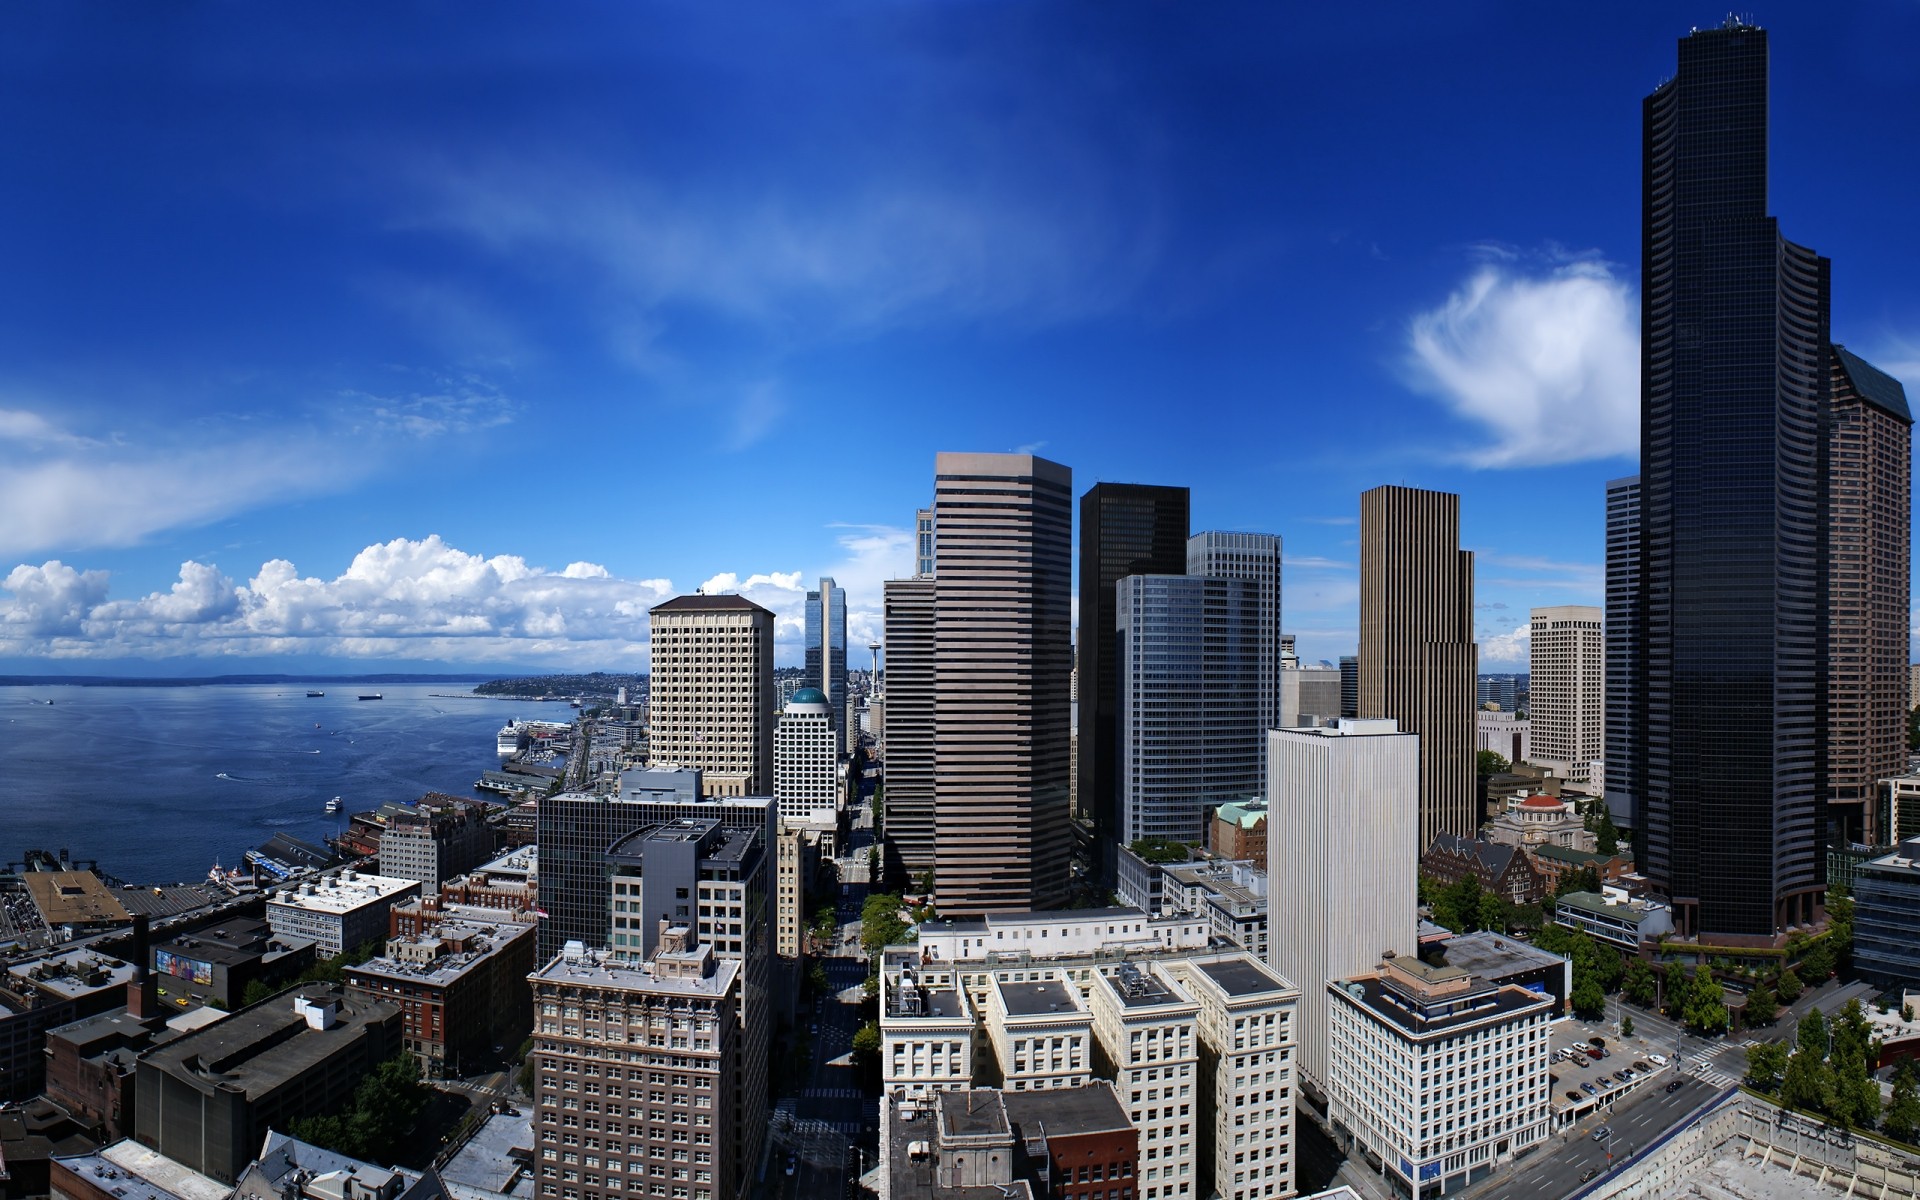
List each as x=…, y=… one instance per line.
x=507, y=741
x=333, y=805
x=372, y=696
x=313, y=695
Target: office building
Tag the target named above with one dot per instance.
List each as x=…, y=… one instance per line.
x=1417, y=655
x=435, y=841
x=1144, y=1024
x=126, y=1168
x=215, y=964
x=1870, y=517
x=510, y=882
x=1125, y=529
x=806, y=763
x=1507, y=734
x=712, y=699
x=1254, y=557
x=1342, y=852
x=207, y=1098
x=923, y=535
x=460, y=983
x=1501, y=693
x=661, y=1038
x=926, y=1036
x=1308, y=696
x=1625, y=673
x=1913, y=686
x=1349, y=685
x=1886, y=918
x=1614, y=916
x=1727, y=733
x=907, y=826
x=981, y=1143
x=826, y=663
x=1438, y=1075
x=1040, y=1034
x=1003, y=599
x=1566, y=707
x=337, y=912
x=1189, y=692
x=44, y=992
x=1230, y=896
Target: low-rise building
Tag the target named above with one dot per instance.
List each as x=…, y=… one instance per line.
x=1503, y=870
x=985, y=1144
x=1437, y=1075
x=1109, y=933
x=214, y=964
x=1540, y=820
x=1074, y=1143
x=461, y=985
x=1557, y=862
x=75, y=903
x=926, y=1036
x=338, y=911
x=658, y=1038
x=207, y=1098
x=126, y=1168
x=1230, y=896
x=44, y=992
x=1499, y=959
x=1615, y=917
x=290, y=1169
x=1886, y=918
x=1041, y=1034
x=1240, y=831
x=510, y=883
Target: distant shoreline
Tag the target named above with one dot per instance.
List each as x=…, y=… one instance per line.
x=225, y=680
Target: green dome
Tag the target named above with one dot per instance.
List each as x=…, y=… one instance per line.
x=808, y=696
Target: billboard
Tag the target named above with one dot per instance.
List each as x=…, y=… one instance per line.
x=180, y=967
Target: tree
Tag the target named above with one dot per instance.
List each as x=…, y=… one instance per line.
x=1490, y=763
x=1840, y=928
x=1906, y=1013
x=880, y=923
x=1766, y=1065
x=1589, y=1002
x=1600, y=824
x=1586, y=879
x=1902, y=1122
x=1807, y=1084
x=1706, y=1006
x=1817, y=964
x=866, y=1048
x=1811, y=1035
x=1160, y=850
x=255, y=991
x=1790, y=985
x=1762, y=1008
x=1639, y=984
x=1626, y=1027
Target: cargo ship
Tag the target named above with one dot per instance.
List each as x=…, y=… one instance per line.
x=372, y=696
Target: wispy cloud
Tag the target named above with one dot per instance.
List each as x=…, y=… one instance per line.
x=1512, y=651
x=1545, y=361
x=1537, y=572
x=1313, y=562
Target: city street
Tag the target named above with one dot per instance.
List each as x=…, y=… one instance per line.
x=1555, y=1168
x=826, y=1129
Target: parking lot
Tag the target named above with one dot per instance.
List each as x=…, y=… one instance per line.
x=1587, y=1078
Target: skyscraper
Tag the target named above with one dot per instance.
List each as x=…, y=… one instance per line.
x=1625, y=672
x=806, y=769
x=1003, y=599
x=1729, y=743
x=1870, y=507
x=712, y=693
x=826, y=665
x=1125, y=529
x=907, y=826
x=1187, y=648
x=1254, y=556
x=1565, y=664
x=1349, y=685
x=1417, y=655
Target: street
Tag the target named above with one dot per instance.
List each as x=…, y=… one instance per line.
x=1555, y=1168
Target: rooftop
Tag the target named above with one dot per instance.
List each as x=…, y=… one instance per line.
x=1243, y=975
x=972, y=1112
x=68, y=974
x=1090, y=1108
x=1875, y=386
x=701, y=603
x=1493, y=954
x=342, y=893
x=259, y=1048
x=1036, y=999
x=1445, y=1013
x=598, y=969
x=74, y=898
x=129, y=1170
x=444, y=962
x=1135, y=988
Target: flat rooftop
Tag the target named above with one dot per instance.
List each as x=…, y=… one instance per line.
x=129, y=1169
x=1037, y=999
x=972, y=1112
x=599, y=970
x=1489, y=1005
x=1243, y=975
x=69, y=974
x=342, y=893
x=74, y=898
x=1140, y=989
x=448, y=965
x=260, y=1048
x=1090, y=1108
x=1492, y=955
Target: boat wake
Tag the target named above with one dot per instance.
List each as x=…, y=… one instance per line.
x=236, y=778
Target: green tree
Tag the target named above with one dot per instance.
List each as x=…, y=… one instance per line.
x=1766, y=1065
x=880, y=923
x=1160, y=850
x=1639, y=984
x=1811, y=1034
x=1706, y=1007
x=1762, y=1007
x=1586, y=879
x=1589, y=1002
x=255, y=991
x=1902, y=1122
x=1790, y=985
x=1490, y=763
x=1606, y=835
x=1807, y=1084
x=1840, y=928
x=1626, y=1027
x=1817, y=964
x=1493, y=912
x=1906, y=1013
x=866, y=1049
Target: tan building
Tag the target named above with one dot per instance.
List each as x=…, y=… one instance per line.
x=656, y=1046
x=460, y=981
x=1870, y=482
x=1417, y=655
x=1240, y=831
x=1041, y=1034
x=1003, y=633
x=713, y=702
x=1144, y=1024
x=1567, y=711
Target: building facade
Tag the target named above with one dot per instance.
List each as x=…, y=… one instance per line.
x=907, y=826
x=1145, y=1026
x=1886, y=918
x=1342, y=848
x=1417, y=654
x=1125, y=529
x=433, y=843
x=806, y=763
x=1624, y=622
x=1189, y=695
x=1254, y=557
x=712, y=700
x=1003, y=630
x=336, y=912
x=460, y=983
x=1566, y=708
x=826, y=662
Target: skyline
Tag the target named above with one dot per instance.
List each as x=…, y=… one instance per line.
x=301, y=303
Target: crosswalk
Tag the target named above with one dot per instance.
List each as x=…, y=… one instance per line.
x=1710, y=1069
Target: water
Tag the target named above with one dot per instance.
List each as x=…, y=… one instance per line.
x=156, y=783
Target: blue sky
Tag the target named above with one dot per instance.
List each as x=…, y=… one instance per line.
x=421, y=335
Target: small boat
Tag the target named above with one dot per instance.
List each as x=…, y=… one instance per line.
x=315, y=695
x=333, y=805
x=372, y=696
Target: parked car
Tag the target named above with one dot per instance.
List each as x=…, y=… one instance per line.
x=1595, y=1053
x=1641, y=1067
x=1589, y=1089
x=1658, y=1060
x=1576, y=1097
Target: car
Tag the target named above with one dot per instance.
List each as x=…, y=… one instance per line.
x=1641, y=1067
x=1658, y=1060
x=1595, y=1053
x=793, y=1164
x=1602, y=1134
x=1576, y=1097
x=1605, y=1053
x=1588, y=1176
x=1589, y=1089
x=1623, y=1076
x=1675, y=1086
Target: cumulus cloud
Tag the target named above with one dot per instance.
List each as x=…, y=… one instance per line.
x=1509, y=650
x=402, y=599
x=1547, y=364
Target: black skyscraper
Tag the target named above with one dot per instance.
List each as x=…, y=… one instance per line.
x=1727, y=754
x=1125, y=529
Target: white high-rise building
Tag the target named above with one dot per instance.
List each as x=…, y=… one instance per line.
x=1343, y=827
x=1568, y=709
x=1246, y=1029
x=806, y=769
x=1144, y=1023
x=1438, y=1074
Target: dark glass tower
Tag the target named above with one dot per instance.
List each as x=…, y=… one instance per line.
x=826, y=664
x=1730, y=748
x=1125, y=529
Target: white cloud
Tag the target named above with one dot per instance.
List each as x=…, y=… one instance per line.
x=1548, y=365
x=49, y=600
x=1507, y=650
